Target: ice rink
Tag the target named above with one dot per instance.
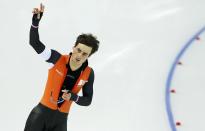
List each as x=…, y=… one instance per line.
x=148, y=49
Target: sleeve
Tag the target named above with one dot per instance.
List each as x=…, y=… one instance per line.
x=86, y=99
x=49, y=55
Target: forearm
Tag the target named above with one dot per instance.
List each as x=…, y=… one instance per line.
x=81, y=100
x=35, y=41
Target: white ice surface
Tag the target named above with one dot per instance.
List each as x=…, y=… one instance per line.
x=139, y=42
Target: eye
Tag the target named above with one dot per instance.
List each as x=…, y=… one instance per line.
x=79, y=50
x=85, y=54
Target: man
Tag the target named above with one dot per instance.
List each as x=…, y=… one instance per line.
x=67, y=76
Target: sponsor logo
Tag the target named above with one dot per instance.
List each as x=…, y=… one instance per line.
x=60, y=73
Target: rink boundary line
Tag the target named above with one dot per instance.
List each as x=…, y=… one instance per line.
x=170, y=76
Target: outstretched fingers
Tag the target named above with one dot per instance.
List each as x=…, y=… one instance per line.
x=39, y=10
x=42, y=7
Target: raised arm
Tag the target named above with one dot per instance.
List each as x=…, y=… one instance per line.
x=48, y=55
x=35, y=42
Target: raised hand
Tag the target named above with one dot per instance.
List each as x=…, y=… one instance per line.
x=37, y=15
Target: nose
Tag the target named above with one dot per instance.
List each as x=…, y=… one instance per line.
x=80, y=55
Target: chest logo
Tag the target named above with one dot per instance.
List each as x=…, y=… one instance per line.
x=82, y=82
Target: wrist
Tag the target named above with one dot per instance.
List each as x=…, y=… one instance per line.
x=34, y=26
x=77, y=99
x=74, y=97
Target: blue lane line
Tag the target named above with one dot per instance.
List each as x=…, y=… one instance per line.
x=169, y=79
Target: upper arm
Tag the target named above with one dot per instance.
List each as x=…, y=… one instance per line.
x=50, y=55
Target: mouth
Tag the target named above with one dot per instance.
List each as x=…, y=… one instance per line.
x=77, y=59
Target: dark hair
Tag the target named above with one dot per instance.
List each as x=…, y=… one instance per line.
x=88, y=40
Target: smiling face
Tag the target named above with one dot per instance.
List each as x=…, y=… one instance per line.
x=80, y=54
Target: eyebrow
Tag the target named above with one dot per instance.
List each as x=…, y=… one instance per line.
x=82, y=51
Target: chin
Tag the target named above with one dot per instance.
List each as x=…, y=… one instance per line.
x=78, y=62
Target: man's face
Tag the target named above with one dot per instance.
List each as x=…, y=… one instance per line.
x=80, y=53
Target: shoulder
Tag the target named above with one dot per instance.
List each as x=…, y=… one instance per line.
x=92, y=74
x=91, y=71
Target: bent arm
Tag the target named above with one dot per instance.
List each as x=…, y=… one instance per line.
x=49, y=55
x=86, y=99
